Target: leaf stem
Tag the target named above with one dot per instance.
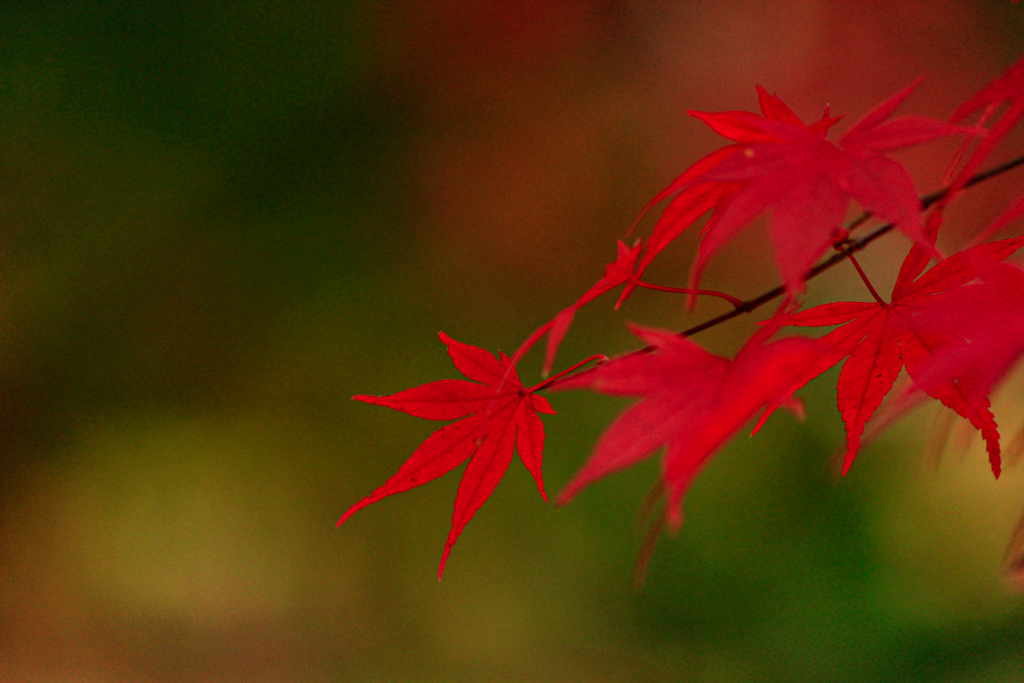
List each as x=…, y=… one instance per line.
x=563, y=373
x=846, y=248
x=864, y=277
x=683, y=290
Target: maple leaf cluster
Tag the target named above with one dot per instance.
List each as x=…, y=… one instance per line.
x=692, y=401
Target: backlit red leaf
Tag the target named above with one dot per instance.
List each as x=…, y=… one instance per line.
x=692, y=198
x=495, y=422
x=806, y=183
x=616, y=273
x=988, y=320
x=881, y=339
x=693, y=402
x=1008, y=89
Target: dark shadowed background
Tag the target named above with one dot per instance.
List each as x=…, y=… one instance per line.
x=220, y=221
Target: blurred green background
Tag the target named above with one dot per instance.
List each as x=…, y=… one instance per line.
x=220, y=221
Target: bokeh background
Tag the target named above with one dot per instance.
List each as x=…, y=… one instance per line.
x=222, y=220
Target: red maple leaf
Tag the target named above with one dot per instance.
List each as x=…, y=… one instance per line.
x=616, y=273
x=989, y=318
x=693, y=198
x=693, y=402
x=881, y=338
x=808, y=182
x=690, y=201
x=1007, y=89
x=492, y=423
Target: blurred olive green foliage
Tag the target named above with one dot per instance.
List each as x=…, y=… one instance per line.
x=221, y=220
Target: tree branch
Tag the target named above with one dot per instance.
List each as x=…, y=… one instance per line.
x=847, y=249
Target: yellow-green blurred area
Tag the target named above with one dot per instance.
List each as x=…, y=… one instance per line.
x=222, y=220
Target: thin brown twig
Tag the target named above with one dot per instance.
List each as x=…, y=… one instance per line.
x=845, y=248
